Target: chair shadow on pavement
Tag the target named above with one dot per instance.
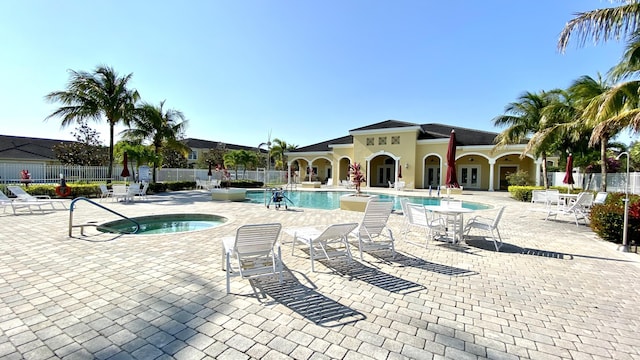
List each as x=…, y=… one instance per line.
x=419, y=263
x=306, y=301
x=483, y=243
x=355, y=270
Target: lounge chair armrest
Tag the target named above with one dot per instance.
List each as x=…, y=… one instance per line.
x=42, y=196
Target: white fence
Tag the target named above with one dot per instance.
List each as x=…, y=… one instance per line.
x=43, y=173
x=270, y=177
x=616, y=182
x=47, y=174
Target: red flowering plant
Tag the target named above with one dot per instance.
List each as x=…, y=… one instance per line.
x=356, y=176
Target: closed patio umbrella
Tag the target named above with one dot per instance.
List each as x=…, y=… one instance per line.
x=452, y=178
x=209, y=173
x=568, y=175
x=400, y=171
x=125, y=169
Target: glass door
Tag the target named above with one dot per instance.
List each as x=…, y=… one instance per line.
x=469, y=177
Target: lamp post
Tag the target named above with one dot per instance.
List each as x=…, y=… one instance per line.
x=626, y=206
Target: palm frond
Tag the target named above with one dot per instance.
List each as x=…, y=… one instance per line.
x=601, y=25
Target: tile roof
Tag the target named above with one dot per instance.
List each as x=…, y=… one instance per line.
x=28, y=148
x=324, y=146
x=206, y=144
x=387, y=124
x=464, y=136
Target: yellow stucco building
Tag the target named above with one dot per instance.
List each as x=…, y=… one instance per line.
x=415, y=154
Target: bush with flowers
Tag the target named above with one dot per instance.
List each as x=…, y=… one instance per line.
x=607, y=220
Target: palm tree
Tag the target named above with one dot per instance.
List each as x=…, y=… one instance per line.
x=615, y=109
x=629, y=65
x=96, y=96
x=523, y=119
x=162, y=128
x=601, y=25
x=278, y=150
x=233, y=159
x=587, y=94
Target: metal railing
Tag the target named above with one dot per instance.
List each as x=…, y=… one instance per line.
x=82, y=226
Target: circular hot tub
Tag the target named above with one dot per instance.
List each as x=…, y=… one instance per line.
x=163, y=224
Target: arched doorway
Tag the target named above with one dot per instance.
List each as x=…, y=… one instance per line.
x=382, y=171
x=432, y=172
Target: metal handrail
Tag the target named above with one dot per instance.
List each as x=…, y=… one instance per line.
x=102, y=207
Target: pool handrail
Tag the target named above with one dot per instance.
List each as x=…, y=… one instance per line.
x=82, y=226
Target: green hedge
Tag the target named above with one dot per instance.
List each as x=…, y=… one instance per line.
x=93, y=190
x=86, y=190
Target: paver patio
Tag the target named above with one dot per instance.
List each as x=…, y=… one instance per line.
x=555, y=291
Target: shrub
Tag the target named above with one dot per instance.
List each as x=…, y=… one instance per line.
x=77, y=190
x=607, y=220
x=519, y=178
x=522, y=193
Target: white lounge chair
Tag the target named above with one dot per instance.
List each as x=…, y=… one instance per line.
x=142, y=193
x=579, y=209
x=347, y=184
x=417, y=216
x=6, y=202
x=373, y=233
x=105, y=193
x=22, y=195
x=487, y=224
x=255, y=250
x=331, y=242
x=601, y=197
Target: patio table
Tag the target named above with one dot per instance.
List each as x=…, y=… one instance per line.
x=457, y=213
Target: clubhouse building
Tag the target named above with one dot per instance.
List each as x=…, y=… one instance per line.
x=394, y=151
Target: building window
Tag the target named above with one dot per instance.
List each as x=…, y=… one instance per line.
x=382, y=140
x=395, y=140
x=370, y=142
x=193, y=155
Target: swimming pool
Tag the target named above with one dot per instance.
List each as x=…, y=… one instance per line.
x=329, y=200
x=164, y=224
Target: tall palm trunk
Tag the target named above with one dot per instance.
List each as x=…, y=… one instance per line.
x=111, y=130
x=545, y=182
x=155, y=162
x=604, y=142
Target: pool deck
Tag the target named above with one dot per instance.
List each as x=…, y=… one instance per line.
x=555, y=291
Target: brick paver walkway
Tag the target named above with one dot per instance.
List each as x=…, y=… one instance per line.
x=555, y=292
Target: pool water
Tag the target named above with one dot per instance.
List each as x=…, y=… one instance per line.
x=164, y=224
x=329, y=200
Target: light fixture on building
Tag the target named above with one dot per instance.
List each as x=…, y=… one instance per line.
x=471, y=159
x=406, y=165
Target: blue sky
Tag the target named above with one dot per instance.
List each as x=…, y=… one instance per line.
x=302, y=71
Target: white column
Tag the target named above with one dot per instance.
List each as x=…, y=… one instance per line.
x=396, y=171
x=368, y=173
x=492, y=163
